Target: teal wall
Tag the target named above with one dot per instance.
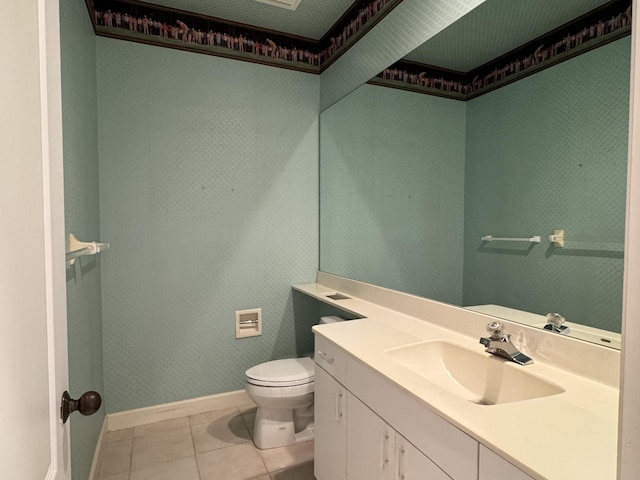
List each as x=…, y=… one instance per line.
x=392, y=191
x=550, y=152
x=209, y=197
x=82, y=217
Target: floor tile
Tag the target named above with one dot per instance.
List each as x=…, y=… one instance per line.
x=208, y=417
x=249, y=421
x=240, y=462
x=116, y=457
x=118, y=435
x=221, y=432
x=262, y=477
x=117, y=476
x=180, y=469
x=304, y=471
x=278, y=458
x=247, y=408
x=160, y=427
x=161, y=447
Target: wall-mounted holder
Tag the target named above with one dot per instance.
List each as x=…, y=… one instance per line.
x=248, y=323
x=557, y=238
x=81, y=249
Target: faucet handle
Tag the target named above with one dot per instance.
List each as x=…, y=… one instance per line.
x=496, y=329
x=555, y=319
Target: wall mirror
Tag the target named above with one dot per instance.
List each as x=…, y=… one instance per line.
x=487, y=169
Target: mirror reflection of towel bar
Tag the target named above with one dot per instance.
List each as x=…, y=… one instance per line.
x=491, y=238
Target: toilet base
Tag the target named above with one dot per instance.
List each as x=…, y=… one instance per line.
x=281, y=427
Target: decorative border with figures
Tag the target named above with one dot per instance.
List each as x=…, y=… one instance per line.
x=594, y=29
x=152, y=24
x=142, y=22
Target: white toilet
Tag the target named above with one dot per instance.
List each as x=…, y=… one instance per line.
x=283, y=391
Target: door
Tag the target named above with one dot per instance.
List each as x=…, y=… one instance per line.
x=330, y=404
x=34, y=445
x=370, y=444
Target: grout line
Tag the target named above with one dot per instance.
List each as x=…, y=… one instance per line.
x=254, y=445
x=133, y=439
x=195, y=453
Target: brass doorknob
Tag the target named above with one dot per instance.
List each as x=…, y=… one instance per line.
x=88, y=404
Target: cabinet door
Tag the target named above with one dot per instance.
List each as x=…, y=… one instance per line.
x=370, y=443
x=412, y=464
x=494, y=467
x=330, y=448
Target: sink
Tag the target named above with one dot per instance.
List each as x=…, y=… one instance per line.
x=472, y=375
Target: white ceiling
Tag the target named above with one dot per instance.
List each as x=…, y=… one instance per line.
x=495, y=28
x=311, y=19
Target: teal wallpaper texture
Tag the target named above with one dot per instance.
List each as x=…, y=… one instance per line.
x=392, y=191
x=550, y=152
x=209, y=197
x=82, y=217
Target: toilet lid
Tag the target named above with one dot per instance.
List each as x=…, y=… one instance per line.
x=282, y=373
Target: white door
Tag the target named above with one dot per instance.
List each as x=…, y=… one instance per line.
x=34, y=445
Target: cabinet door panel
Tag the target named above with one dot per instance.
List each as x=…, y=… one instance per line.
x=494, y=467
x=370, y=444
x=330, y=408
x=414, y=465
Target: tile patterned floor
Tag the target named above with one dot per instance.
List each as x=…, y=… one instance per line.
x=211, y=446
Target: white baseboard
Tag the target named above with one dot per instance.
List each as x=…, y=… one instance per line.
x=167, y=411
x=95, y=464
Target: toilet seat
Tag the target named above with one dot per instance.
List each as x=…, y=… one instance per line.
x=282, y=373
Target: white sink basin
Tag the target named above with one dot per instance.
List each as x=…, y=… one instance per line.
x=472, y=375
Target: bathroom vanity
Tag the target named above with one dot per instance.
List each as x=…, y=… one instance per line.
x=409, y=393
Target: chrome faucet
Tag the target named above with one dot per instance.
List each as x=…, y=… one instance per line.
x=554, y=323
x=499, y=343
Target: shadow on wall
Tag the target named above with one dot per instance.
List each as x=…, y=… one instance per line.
x=300, y=314
x=306, y=313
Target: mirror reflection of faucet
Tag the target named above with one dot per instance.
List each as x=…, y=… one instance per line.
x=554, y=324
x=499, y=343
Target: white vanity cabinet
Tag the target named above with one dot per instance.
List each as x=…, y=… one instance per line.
x=353, y=442
x=494, y=467
x=377, y=452
x=330, y=404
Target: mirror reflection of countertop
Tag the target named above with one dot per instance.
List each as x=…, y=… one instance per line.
x=561, y=436
x=582, y=332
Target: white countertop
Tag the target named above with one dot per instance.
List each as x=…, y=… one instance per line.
x=569, y=436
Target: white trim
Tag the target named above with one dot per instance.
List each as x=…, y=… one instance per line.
x=53, y=227
x=167, y=411
x=48, y=253
x=97, y=454
x=51, y=473
x=629, y=425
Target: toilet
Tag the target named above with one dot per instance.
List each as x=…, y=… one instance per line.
x=283, y=391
